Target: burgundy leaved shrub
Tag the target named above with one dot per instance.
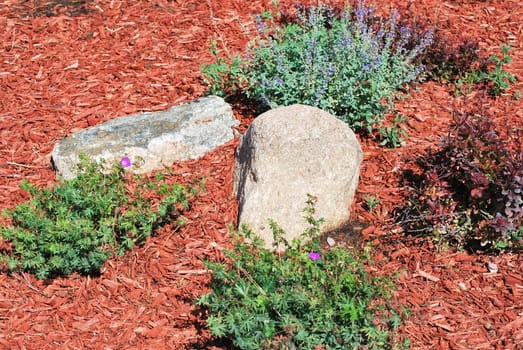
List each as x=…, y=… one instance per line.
x=470, y=192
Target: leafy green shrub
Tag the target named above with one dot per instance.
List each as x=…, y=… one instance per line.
x=223, y=77
x=460, y=62
x=351, y=64
x=76, y=225
x=490, y=75
x=470, y=193
x=497, y=80
x=302, y=298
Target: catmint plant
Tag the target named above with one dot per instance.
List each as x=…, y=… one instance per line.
x=348, y=62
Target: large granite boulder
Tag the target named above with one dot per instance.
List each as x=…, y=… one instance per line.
x=288, y=153
x=154, y=139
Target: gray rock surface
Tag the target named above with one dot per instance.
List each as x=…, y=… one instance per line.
x=153, y=139
x=290, y=152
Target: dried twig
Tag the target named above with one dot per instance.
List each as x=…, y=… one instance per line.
x=28, y=283
x=194, y=272
x=425, y=274
x=21, y=165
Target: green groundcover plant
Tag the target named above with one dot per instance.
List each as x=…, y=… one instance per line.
x=496, y=79
x=458, y=61
x=348, y=62
x=76, y=225
x=303, y=298
x=488, y=74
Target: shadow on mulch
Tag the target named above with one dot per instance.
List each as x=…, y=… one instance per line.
x=53, y=8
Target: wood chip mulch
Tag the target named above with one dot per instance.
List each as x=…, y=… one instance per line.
x=67, y=65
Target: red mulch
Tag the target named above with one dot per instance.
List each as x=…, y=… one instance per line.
x=91, y=61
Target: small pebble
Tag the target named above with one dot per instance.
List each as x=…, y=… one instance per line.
x=331, y=241
x=492, y=268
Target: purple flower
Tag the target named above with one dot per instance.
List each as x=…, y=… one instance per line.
x=331, y=70
x=278, y=81
x=314, y=256
x=260, y=25
x=126, y=162
x=265, y=100
x=347, y=41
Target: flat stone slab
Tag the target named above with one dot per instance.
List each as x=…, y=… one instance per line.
x=154, y=140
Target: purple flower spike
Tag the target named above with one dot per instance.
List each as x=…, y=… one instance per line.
x=314, y=256
x=126, y=162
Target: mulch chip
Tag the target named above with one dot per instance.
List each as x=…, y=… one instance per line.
x=68, y=65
